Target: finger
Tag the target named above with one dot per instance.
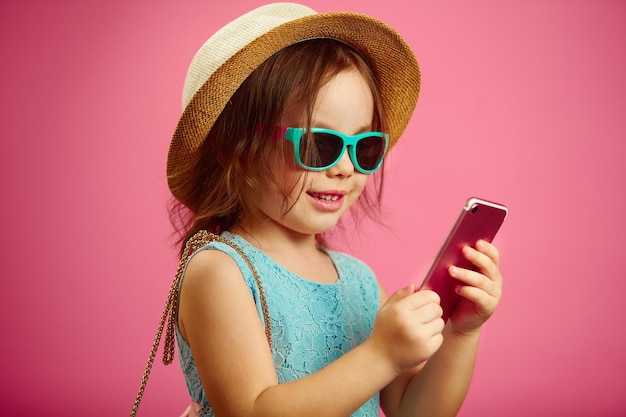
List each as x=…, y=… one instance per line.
x=431, y=313
x=420, y=299
x=422, y=306
x=490, y=250
x=484, y=263
x=484, y=302
x=475, y=279
x=433, y=327
x=401, y=294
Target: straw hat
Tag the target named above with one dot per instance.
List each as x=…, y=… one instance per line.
x=225, y=60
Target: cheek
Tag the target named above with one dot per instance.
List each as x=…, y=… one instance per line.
x=284, y=167
x=287, y=155
x=360, y=182
x=357, y=190
x=294, y=181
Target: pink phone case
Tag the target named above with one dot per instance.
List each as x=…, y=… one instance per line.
x=479, y=219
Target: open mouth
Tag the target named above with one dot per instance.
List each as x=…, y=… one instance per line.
x=325, y=197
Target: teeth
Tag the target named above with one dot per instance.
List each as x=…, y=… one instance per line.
x=328, y=197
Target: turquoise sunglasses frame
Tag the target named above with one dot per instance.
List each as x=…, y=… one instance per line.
x=294, y=135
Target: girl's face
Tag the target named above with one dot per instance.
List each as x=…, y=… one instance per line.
x=319, y=198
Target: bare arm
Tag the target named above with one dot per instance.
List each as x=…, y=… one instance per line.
x=439, y=387
x=219, y=320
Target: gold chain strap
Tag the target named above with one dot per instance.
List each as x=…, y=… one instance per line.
x=197, y=241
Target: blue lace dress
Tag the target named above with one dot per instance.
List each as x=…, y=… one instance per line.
x=312, y=324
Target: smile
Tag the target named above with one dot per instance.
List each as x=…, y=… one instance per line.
x=329, y=197
x=326, y=197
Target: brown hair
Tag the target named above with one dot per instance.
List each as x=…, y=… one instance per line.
x=239, y=151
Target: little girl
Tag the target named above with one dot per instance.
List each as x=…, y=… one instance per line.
x=287, y=115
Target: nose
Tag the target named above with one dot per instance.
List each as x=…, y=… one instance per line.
x=343, y=168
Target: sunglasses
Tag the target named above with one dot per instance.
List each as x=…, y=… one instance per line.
x=318, y=149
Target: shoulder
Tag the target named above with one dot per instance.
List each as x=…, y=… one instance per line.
x=211, y=277
x=212, y=271
x=216, y=261
x=208, y=262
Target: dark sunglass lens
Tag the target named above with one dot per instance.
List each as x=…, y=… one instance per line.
x=369, y=151
x=320, y=149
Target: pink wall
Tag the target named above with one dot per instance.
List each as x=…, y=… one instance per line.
x=522, y=102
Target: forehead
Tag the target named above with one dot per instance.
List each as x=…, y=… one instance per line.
x=343, y=101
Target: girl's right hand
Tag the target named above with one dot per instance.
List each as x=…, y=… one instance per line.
x=407, y=329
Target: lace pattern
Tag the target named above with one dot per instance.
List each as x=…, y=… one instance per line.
x=312, y=324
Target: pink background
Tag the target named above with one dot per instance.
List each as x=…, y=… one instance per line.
x=523, y=102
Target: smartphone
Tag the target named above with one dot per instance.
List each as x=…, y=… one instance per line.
x=479, y=219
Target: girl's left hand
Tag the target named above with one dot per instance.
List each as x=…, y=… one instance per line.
x=481, y=290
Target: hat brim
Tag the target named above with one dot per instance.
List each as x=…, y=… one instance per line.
x=391, y=59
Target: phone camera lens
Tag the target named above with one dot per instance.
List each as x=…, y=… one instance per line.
x=475, y=208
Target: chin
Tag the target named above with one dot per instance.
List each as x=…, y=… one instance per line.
x=316, y=229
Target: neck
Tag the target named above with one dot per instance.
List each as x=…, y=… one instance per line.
x=275, y=238
x=296, y=252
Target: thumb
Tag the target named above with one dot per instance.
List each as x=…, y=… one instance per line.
x=401, y=294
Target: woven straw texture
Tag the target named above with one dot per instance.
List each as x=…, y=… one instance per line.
x=392, y=60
